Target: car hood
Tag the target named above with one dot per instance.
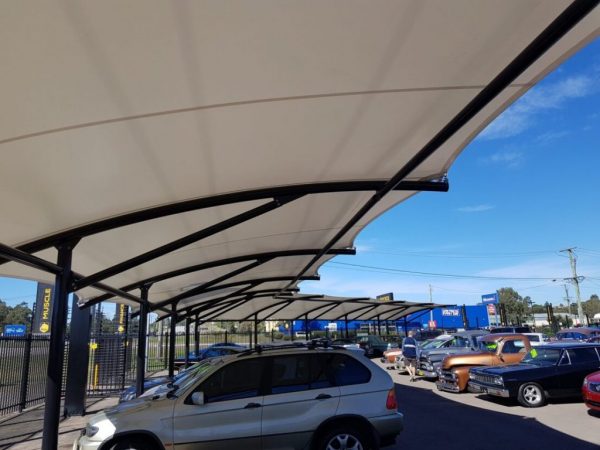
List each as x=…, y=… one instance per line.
x=442, y=352
x=507, y=369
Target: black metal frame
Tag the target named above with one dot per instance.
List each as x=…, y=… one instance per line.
x=65, y=241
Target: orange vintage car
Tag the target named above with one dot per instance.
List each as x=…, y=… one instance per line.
x=495, y=349
x=389, y=356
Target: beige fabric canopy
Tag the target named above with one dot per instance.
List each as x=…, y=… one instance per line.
x=132, y=124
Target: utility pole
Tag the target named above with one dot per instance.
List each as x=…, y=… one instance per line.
x=575, y=281
x=568, y=299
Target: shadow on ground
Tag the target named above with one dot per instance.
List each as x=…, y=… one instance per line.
x=434, y=422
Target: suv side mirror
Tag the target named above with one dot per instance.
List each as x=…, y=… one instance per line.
x=198, y=398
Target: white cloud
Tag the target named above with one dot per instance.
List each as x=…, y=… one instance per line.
x=477, y=208
x=521, y=115
x=511, y=159
x=551, y=136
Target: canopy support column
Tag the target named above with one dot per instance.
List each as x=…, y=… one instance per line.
x=255, y=330
x=57, y=346
x=77, y=367
x=188, y=325
x=306, y=327
x=378, y=326
x=346, y=325
x=197, y=335
x=172, y=341
x=141, y=350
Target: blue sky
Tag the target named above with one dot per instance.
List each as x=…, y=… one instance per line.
x=525, y=189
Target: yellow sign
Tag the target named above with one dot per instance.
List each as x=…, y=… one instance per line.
x=386, y=297
x=44, y=328
x=121, y=328
x=93, y=345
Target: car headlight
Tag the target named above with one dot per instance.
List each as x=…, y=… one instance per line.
x=499, y=381
x=90, y=430
x=585, y=382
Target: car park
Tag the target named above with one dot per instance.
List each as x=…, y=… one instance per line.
x=590, y=391
x=290, y=396
x=494, y=349
x=548, y=371
x=430, y=359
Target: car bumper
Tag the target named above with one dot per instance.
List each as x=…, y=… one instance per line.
x=85, y=443
x=388, y=426
x=448, y=386
x=591, y=399
x=496, y=391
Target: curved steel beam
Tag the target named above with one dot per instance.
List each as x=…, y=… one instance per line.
x=220, y=200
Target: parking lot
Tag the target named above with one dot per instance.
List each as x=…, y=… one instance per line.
x=435, y=419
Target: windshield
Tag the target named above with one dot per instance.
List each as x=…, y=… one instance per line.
x=196, y=374
x=433, y=343
x=542, y=356
x=460, y=341
x=488, y=346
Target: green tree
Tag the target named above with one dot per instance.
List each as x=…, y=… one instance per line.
x=19, y=315
x=591, y=306
x=515, y=305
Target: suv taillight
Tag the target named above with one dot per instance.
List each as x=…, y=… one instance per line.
x=391, y=402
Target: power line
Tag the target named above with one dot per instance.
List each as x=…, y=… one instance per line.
x=445, y=275
x=463, y=255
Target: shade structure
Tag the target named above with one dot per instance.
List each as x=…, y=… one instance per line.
x=310, y=307
x=211, y=147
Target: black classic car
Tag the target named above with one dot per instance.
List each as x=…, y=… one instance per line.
x=547, y=371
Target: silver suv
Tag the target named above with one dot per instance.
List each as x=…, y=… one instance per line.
x=294, y=398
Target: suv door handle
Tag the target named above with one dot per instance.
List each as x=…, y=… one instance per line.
x=322, y=397
x=252, y=405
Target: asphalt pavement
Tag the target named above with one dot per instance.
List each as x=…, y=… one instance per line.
x=441, y=420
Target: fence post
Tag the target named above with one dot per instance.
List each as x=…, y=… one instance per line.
x=25, y=373
x=225, y=336
x=166, y=352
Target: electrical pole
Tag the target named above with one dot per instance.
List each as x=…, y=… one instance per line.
x=430, y=301
x=568, y=299
x=575, y=281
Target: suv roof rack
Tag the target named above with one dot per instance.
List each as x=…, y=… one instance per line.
x=311, y=345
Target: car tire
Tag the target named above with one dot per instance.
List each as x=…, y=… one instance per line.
x=343, y=438
x=531, y=395
x=133, y=444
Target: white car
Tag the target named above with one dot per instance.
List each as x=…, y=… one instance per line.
x=294, y=397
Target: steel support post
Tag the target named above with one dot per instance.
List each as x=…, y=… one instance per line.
x=197, y=335
x=57, y=346
x=172, y=341
x=291, y=330
x=255, y=330
x=188, y=325
x=306, y=326
x=142, y=335
x=78, y=365
x=378, y=326
x=346, y=325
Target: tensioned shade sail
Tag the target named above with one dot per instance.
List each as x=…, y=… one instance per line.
x=313, y=307
x=133, y=124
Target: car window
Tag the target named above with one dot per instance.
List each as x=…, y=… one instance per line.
x=534, y=338
x=344, y=370
x=579, y=336
x=583, y=355
x=290, y=374
x=240, y=379
x=511, y=347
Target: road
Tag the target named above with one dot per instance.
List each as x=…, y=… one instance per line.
x=441, y=420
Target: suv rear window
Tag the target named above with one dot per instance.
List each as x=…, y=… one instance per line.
x=301, y=372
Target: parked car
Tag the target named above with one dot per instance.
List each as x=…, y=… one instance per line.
x=548, y=371
x=511, y=329
x=578, y=334
x=424, y=345
x=130, y=392
x=345, y=343
x=210, y=352
x=430, y=359
x=591, y=391
x=594, y=339
x=536, y=339
x=293, y=397
x=373, y=345
x=494, y=349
